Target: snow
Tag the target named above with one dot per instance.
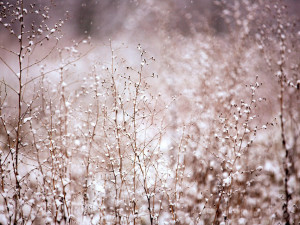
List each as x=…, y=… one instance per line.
x=27, y=119
x=227, y=181
x=26, y=209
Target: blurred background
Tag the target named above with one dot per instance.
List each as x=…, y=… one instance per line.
x=110, y=18
x=141, y=20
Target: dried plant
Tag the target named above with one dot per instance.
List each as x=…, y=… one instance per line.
x=90, y=134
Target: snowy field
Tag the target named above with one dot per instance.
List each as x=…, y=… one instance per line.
x=149, y=112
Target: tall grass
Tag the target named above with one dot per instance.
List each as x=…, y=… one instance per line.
x=206, y=133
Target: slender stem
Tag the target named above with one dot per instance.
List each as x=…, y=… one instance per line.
x=285, y=207
x=286, y=214
x=18, y=130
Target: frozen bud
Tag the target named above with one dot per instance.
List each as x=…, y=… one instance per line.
x=259, y=168
x=227, y=181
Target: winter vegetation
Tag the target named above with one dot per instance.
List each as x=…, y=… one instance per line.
x=149, y=112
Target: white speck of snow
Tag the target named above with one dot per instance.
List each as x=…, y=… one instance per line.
x=227, y=181
x=58, y=203
x=238, y=167
x=77, y=142
x=100, y=188
x=96, y=219
x=269, y=166
x=19, y=178
x=68, y=104
x=259, y=168
x=242, y=221
x=26, y=210
x=27, y=119
x=74, y=50
x=31, y=201
x=3, y=220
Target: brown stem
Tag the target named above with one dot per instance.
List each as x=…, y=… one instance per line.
x=286, y=214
